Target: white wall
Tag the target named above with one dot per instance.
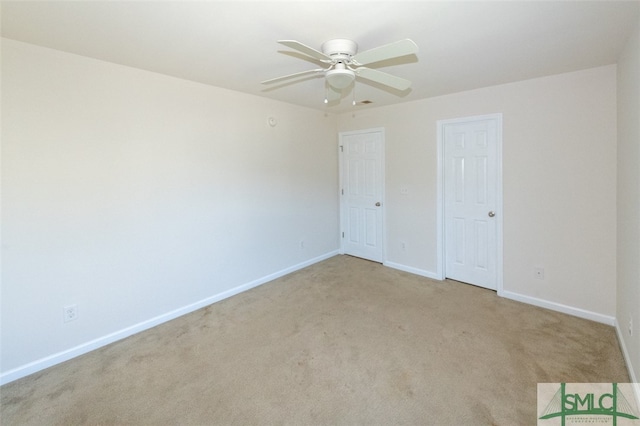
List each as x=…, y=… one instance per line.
x=133, y=194
x=628, y=303
x=559, y=172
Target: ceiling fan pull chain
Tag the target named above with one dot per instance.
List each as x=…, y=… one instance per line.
x=354, y=94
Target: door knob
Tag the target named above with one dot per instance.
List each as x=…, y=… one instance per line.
x=378, y=204
x=491, y=214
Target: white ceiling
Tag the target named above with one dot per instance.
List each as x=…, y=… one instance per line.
x=232, y=44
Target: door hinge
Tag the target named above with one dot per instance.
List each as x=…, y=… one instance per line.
x=341, y=148
x=342, y=190
x=343, y=235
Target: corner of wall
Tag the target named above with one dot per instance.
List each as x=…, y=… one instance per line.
x=628, y=204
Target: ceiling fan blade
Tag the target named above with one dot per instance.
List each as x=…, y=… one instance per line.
x=383, y=78
x=309, y=51
x=290, y=76
x=388, y=51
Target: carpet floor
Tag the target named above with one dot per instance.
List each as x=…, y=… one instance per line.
x=344, y=341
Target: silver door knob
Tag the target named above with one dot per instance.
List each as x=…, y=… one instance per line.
x=378, y=204
x=491, y=214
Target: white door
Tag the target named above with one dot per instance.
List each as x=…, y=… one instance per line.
x=470, y=201
x=362, y=188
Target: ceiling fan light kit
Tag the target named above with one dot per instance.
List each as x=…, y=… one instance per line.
x=340, y=77
x=345, y=64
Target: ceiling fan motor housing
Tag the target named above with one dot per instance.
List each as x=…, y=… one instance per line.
x=340, y=48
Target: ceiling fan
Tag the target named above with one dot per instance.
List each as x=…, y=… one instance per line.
x=345, y=64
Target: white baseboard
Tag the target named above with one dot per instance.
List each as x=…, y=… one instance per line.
x=633, y=378
x=554, y=306
x=559, y=307
x=84, y=348
x=411, y=270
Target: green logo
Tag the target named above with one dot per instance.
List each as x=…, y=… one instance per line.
x=588, y=403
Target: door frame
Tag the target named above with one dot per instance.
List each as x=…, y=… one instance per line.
x=341, y=169
x=441, y=255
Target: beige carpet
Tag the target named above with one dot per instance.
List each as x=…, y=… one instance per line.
x=345, y=341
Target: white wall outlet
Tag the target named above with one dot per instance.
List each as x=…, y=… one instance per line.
x=404, y=190
x=70, y=313
x=538, y=273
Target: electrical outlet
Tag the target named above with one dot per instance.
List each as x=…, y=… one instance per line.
x=538, y=273
x=70, y=313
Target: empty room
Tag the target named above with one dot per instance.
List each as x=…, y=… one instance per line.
x=311, y=212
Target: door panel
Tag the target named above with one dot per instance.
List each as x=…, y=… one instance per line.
x=362, y=188
x=470, y=193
